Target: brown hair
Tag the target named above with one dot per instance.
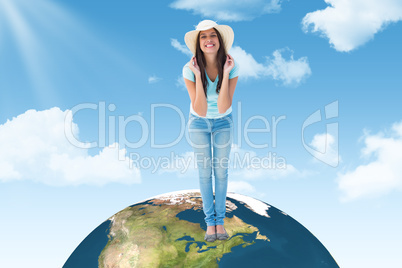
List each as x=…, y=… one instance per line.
x=220, y=57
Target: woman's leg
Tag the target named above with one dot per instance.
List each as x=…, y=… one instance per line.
x=222, y=141
x=201, y=142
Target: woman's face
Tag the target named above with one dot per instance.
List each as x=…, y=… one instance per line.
x=209, y=42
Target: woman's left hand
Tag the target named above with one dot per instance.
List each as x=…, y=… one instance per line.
x=229, y=64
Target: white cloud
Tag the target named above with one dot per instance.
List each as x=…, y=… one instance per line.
x=259, y=172
x=183, y=166
x=382, y=174
x=249, y=67
x=180, y=83
x=34, y=147
x=289, y=71
x=241, y=187
x=229, y=10
x=182, y=48
x=326, y=149
x=349, y=24
x=248, y=165
x=243, y=165
x=153, y=79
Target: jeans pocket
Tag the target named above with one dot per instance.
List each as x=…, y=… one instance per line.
x=227, y=121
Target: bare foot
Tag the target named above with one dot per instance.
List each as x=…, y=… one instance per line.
x=211, y=229
x=220, y=229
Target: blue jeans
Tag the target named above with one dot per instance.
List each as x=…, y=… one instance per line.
x=202, y=132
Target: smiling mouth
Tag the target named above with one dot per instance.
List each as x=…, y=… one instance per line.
x=210, y=45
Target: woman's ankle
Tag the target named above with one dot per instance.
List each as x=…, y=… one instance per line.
x=211, y=229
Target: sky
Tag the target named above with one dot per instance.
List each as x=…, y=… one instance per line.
x=93, y=111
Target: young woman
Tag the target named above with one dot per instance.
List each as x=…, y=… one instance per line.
x=211, y=77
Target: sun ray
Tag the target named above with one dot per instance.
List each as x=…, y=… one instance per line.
x=48, y=35
x=68, y=29
x=31, y=53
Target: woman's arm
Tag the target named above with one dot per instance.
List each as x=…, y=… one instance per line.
x=196, y=90
x=200, y=104
x=228, y=87
x=197, y=95
x=226, y=93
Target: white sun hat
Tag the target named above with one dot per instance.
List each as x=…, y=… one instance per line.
x=225, y=31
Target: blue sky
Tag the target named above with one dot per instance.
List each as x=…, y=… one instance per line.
x=296, y=59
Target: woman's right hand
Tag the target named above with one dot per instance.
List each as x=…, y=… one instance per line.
x=194, y=68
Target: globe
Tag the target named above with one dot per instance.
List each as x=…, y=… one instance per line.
x=168, y=231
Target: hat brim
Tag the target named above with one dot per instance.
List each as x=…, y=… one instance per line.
x=226, y=32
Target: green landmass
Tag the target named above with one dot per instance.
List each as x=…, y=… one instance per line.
x=138, y=238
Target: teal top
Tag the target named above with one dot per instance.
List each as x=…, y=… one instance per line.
x=212, y=96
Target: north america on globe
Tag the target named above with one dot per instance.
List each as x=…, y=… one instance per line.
x=168, y=231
